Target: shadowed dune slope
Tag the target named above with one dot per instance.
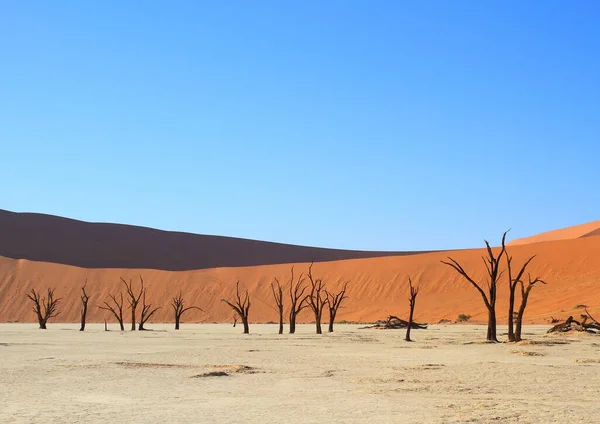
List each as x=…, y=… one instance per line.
x=378, y=286
x=48, y=238
x=577, y=231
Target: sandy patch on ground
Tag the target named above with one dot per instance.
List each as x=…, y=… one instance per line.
x=213, y=374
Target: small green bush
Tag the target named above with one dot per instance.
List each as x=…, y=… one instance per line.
x=463, y=318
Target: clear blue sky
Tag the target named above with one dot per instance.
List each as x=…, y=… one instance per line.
x=355, y=124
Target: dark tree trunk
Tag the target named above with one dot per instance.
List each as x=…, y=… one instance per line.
x=176, y=322
x=292, y=323
x=246, y=326
x=42, y=325
x=83, y=315
x=281, y=321
x=520, y=314
x=491, y=329
x=511, y=312
x=133, y=319
x=318, y=325
x=410, y=322
x=122, y=325
x=331, y=321
x=105, y=326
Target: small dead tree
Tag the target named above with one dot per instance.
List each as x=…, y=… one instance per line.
x=297, y=300
x=316, y=299
x=134, y=298
x=84, y=305
x=235, y=318
x=241, y=307
x=492, y=265
x=278, y=296
x=116, y=309
x=45, y=307
x=334, y=302
x=512, y=286
x=146, y=313
x=179, y=308
x=414, y=291
x=524, y=298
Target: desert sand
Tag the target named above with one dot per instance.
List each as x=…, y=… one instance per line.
x=351, y=376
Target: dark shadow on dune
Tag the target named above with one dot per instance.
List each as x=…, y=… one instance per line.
x=49, y=238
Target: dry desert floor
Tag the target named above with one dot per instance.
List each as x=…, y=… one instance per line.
x=210, y=373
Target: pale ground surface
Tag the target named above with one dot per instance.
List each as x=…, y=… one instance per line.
x=352, y=376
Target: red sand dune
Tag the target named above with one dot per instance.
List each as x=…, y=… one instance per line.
x=47, y=238
x=378, y=285
x=577, y=231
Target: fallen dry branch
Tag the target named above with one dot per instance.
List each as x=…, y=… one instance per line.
x=395, y=323
x=573, y=325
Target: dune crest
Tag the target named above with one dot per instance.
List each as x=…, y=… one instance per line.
x=574, y=232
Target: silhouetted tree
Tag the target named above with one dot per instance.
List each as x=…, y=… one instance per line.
x=316, y=298
x=297, y=300
x=179, y=308
x=524, y=297
x=147, y=312
x=512, y=285
x=278, y=296
x=414, y=291
x=334, y=301
x=116, y=310
x=492, y=264
x=84, y=305
x=134, y=298
x=45, y=307
x=241, y=307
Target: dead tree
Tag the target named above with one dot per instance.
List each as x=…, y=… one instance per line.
x=147, y=312
x=492, y=265
x=297, y=300
x=116, y=310
x=334, y=302
x=235, y=317
x=512, y=286
x=133, y=299
x=84, y=306
x=316, y=299
x=44, y=307
x=241, y=307
x=414, y=291
x=278, y=296
x=524, y=297
x=179, y=308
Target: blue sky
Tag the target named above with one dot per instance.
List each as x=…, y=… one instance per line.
x=369, y=125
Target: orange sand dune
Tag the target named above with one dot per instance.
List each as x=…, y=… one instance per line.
x=577, y=231
x=378, y=286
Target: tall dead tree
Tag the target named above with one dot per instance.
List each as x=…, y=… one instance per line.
x=316, y=299
x=146, y=313
x=134, y=298
x=116, y=309
x=278, y=296
x=492, y=265
x=334, y=301
x=241, y=307
x=524, y=298
x=178, y=305
x=512, y=286
x=84, y=305
x=297, y=299
x=45, y=307
x=414, y=291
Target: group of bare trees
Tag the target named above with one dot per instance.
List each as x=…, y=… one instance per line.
x=46, y=306
x=317, y=298
x=493, y=265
